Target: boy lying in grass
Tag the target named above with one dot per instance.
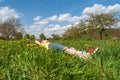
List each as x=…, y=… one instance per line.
x=51, y=45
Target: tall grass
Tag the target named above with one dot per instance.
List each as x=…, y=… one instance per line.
x=21, y=62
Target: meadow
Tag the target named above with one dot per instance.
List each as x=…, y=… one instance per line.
x=23, y=60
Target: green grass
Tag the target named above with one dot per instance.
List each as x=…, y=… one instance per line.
x=20, y=62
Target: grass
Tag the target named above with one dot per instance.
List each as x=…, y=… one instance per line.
x=21, y=62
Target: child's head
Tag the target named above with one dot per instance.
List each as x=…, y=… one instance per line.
x=45, y=40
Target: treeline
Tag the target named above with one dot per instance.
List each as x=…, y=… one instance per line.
x=112, y=33
x=99, y=26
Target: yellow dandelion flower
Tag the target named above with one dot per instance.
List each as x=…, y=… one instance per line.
x=86, y=44
x=31, y=45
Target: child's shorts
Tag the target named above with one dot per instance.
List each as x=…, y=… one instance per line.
x=57, y=46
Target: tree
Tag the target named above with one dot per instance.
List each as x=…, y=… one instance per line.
x=55, y=36
x=10, y=28
x=32, y=37
x=19, y=36
x=27, y=36
x=82, y=26
x=72, y=32
x=42, y=36
x=101, y=22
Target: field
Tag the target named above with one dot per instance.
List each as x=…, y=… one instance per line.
x=22, y=60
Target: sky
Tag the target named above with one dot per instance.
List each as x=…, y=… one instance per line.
x=53, y=16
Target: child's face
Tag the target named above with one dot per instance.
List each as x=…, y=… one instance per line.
x=44, y=41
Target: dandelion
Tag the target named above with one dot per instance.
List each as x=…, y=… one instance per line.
x=3, y=47
x=31, y=45
x=86, y=44
x=1, y=40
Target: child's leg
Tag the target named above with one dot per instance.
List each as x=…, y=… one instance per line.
x=70, y=50
x=81, y=54
x=74, y=51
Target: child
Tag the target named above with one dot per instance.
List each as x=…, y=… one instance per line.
x=51, y=45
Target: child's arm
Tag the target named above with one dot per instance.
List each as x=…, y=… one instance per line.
x=37, y=42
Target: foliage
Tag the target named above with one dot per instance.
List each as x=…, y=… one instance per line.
x=19, y=36
x=72, y=32
x=23, y=60
x=10, y=28
x=32, y=37
x=27, y=36
x=55, y=36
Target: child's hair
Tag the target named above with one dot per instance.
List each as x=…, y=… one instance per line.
x=45, y=39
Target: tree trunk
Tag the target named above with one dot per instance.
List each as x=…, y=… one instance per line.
x=101, y=35
x=101, y=32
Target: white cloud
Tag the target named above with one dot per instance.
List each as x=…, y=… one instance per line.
x=55, y=28
x=96, y=9
x=6, y=12
x=99, y=8
x=68, y=18
x=41, y=23
x=37, y=18
x=64, y=18
x=115, y=8
x=35, y=27
x=53, y=18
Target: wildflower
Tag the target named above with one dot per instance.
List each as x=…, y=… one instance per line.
x=31, y=45
x=3, y=47
x=86, y=44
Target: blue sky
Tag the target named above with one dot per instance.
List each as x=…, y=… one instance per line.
x=53, y=16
